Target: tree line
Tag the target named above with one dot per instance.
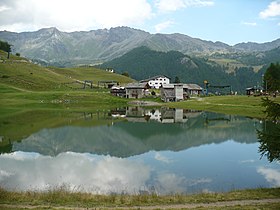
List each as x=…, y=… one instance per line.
x=5, y=46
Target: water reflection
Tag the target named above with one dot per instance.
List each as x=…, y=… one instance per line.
x=136, y=151
x=141, y=131
x=209, y=168
x=269, y=136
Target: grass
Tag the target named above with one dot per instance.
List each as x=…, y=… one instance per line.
x=63, y=198
x=234, y=105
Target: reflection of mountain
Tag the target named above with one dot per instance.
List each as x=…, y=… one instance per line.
x=127, y=138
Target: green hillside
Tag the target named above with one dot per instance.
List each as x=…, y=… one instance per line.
x=142, y=63
x=18, y=73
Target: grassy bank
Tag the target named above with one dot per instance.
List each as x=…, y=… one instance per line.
x=66, y=199
x=234, y=105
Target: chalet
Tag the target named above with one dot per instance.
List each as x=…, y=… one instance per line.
x=118, y=91
x=178, y=92
x=136, y=90
x=156, y=81
x=253, y=90
x=172, y=92
x=192, y=89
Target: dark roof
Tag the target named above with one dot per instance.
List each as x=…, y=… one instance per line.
x=186, y=86
x=192, y=87
x=137, y=86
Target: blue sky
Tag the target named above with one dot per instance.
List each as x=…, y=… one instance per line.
x=229, y=21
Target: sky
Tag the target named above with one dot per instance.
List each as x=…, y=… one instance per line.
x=229, y=21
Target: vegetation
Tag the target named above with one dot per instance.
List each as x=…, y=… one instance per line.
x=61, y=197
x=5, y=46
x=272, y=77
x=142, y=62
x=235, y=105
x=270, y=134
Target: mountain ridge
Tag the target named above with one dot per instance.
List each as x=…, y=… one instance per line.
x=52, y=46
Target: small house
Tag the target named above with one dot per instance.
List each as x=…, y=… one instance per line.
x=192, y=89
x=156, y=81
x=172, y=92
x=118, y=91
x=136, y=90
x=253, y=90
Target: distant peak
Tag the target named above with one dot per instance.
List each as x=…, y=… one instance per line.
x=51, y=29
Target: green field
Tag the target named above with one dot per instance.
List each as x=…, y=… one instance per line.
x=235, y=105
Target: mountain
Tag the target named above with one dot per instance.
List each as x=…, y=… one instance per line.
x=53, y=47
x=142, y=62
x=253, y=47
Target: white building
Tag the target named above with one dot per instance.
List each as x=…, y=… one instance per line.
x=157, y=81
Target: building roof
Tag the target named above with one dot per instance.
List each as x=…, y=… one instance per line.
x=192, y=87
x=152, y=78
x=137, y=86
x=185, y=86
x=116, y=87
x=167, y=86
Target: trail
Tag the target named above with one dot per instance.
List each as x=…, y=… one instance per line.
x=174, y=206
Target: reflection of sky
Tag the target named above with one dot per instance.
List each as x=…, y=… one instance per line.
x=213, y=167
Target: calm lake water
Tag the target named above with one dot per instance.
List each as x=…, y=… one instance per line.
x=134, y=150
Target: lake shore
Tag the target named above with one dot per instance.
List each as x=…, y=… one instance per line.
x=101, y=99
x=62, y=199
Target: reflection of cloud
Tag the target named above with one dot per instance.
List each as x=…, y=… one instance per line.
x=162, y=158
x=78, y=171
x=247, y=161
x=170, y=182
x=271, y=175
x=199, y=181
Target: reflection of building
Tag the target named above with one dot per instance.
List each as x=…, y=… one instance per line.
x=164, y=115
x=155, y=114
x=136, y=114
x=156, y=81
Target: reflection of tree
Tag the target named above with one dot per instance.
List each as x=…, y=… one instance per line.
x=269, y=137
x=272, y=109
x=269, y=140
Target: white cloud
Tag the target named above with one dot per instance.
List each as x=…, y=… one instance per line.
x=70, y=15
x=161, y=26
x=249, y=23
x=272, y=10
x=173, y=5
x=271, y=175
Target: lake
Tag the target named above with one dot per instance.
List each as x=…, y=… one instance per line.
x=135, y=151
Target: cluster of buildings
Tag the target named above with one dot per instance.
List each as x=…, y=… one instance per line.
x=168, y=91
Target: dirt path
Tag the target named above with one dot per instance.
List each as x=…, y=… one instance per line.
x=174, y=206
